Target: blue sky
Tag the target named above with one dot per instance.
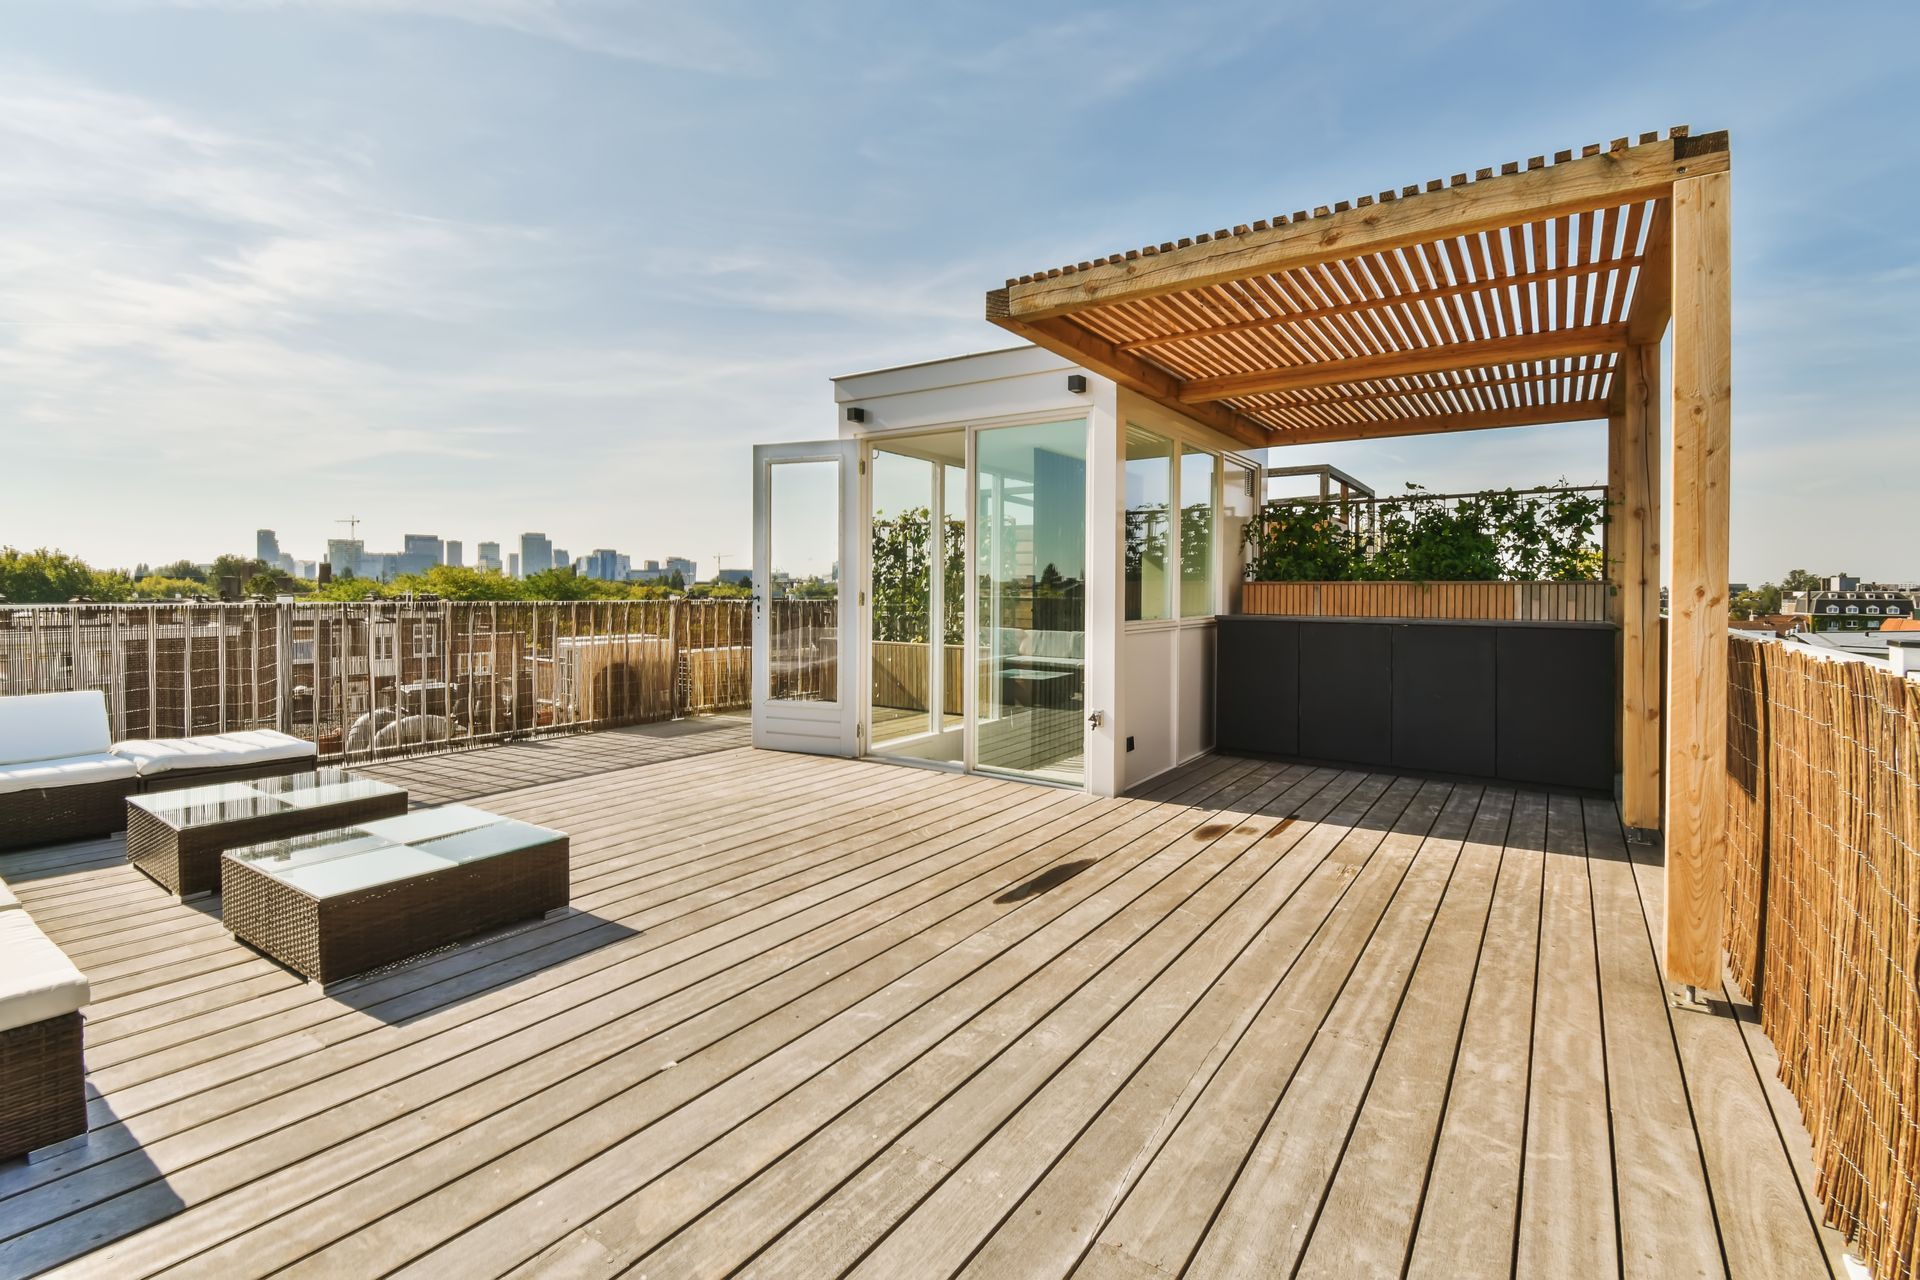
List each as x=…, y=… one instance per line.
x=479, y=266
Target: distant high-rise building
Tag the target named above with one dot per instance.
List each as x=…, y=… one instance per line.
x=344, y=555
x=513, y=564
x=561, y=560
x=420, y=552
x=605, y=564
x=454, y=553
x=266, y=546
x=488, y=559
x=536, y=555
x=689, y=572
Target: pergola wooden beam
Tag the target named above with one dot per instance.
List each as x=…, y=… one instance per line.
x=1093, y=352
x=1555, y=345
x=1644, y=172
x=1653, y=299
x=1486, y=419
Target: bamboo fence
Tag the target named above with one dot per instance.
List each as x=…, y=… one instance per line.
x=1823, y=896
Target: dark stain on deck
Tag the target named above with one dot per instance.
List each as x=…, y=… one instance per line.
x=1051, y=878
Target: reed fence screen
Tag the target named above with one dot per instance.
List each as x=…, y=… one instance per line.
x=373, y=679
x=1823, y=887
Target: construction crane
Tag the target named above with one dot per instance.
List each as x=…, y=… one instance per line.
x=353, y=526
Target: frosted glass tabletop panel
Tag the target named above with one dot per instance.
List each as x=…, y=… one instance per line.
x=275, y=856
x=359, y=871
x=503, y=835
x=240, y=801
x=425, y=824
x=201, y=806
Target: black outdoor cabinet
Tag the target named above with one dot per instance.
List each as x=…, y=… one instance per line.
x=1261, y=714
x=1346, y=698
x=1529, y=702
x=1443, y=699
x=1556, y=705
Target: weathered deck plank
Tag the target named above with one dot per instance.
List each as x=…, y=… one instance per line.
x=809, y=1017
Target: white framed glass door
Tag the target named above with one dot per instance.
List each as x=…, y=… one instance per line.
x=805, y=690
x=1030, y=601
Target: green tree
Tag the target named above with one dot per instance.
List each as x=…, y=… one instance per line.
x=453, y=583
x=54, y=577
x=348, y=588
x=155, y=587
x=1799, y=580
x=179, y=569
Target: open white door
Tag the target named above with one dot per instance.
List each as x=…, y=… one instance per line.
x=806, y=620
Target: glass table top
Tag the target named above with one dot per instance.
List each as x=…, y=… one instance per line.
x=239, y=801
x=391, y=849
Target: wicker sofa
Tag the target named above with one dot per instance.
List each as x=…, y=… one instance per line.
x=43, y=1093
x=59, y=778
x=62, y=778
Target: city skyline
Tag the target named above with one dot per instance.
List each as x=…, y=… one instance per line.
x=422, y=551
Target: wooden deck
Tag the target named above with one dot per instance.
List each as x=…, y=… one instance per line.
x=813, y=1017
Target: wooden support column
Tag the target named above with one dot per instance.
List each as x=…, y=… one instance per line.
x=1637, y=538
x=1615, y=562
x=1696, y=776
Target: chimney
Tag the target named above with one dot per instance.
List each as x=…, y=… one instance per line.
x=1903, y=650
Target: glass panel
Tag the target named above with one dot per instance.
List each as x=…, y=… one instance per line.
x=275, y=856
x=220, y=802
x=1030, y=530
x=1149, y=498
x=901, y=553
x=803, y=580
x=1237, y=505
x=337, y=876
x=1197, y=473
x=917, y=557
x=498, y=837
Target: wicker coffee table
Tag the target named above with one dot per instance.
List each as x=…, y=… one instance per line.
x=338, y=903
x=177, y=836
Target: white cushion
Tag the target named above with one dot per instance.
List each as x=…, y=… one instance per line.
x=53, y=726
x=213, y=750
x=37, y=981
x=74, y=771
x=7, y=901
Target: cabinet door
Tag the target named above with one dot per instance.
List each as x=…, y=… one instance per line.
x=1443, y=699
x=1256, y=707
x=1346, y=692
x=1555, y=706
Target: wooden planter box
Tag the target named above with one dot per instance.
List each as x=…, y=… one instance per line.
x=1498, y=601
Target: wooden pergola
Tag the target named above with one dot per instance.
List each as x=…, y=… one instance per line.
x=1536, y=294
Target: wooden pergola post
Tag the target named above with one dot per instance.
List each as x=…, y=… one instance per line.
x=1697, y=603
x=1637, y=538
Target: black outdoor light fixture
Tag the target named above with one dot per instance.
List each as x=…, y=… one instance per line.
x=856, y=414
x=1076, y=382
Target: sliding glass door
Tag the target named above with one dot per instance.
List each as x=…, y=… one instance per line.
x=1030, y=605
